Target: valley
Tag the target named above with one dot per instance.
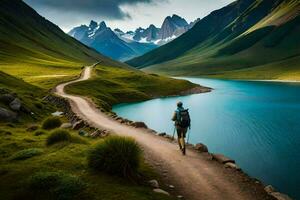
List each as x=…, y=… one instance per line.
x=243, y=41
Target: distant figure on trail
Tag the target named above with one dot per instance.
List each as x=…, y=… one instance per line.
x=182, y=121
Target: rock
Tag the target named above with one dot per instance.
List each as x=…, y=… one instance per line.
x=78, y=125
x=171, y=186
x=7, y=98
x=201, y=148
x=222, y=159
x=180, y=197
x=269, y=189
x=32, y=128
x=280, y=196
x=96, y=133
x=57, y=114
x=157, y=190
x=66, y=125
x=232, y=165
x=162, y=134
x=7, y=115
x=154, y=183
x=15, y=105
x=207, y=155
x=139, y=125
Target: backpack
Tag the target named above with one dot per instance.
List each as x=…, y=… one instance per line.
x=184, y=120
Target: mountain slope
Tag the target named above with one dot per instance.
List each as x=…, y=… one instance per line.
x=240, y=36
x=36, y=50
x=107, y=42
x=25, y=35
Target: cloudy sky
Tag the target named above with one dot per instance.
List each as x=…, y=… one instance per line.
x=124, y=14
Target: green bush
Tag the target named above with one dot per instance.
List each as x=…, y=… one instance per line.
x=116, y=155
x=39, y=132
x=57, y=184
x=58, y=135
x=26, y=153
x=51, y=123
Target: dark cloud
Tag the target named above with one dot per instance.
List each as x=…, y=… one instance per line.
x=106, y=8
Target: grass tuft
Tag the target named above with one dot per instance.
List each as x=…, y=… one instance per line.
x=116, y=155
x=58, y=184
x=51, y=123
x=58, y=135
x=25, y=154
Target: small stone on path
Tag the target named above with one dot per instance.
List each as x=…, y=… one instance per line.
x=157, y=190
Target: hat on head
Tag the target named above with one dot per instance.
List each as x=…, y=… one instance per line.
x=179, y=104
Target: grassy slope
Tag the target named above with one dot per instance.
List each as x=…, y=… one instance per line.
x=112, y=85
x=32, y=47
x=269, y=45
x=30, y=96
x=67, y=158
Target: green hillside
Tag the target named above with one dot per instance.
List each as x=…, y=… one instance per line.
x=248, y=39
x=35, y=49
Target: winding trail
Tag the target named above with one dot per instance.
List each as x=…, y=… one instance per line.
x=195, y=175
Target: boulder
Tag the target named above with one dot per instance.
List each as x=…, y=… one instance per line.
x=7, y=115
x=222, y=159
x=269, y=189
x=232, y=165
x=201, y=148
x=139, y=125
x=280, y=196
x=66, y=125
x=154, y=183
x=157, y=190
x=7, y=98
x=15, y=105
x=78, y=125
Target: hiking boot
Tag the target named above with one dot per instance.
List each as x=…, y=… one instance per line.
x=183, y=151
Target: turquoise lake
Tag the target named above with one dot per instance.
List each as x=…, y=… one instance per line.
x=255, y=123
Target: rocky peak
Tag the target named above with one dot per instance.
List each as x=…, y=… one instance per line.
x=93, y=24
x=102, y=26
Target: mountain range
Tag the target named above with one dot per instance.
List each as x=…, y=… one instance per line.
x=122, y=46
x=246, y=39
x=172, y=27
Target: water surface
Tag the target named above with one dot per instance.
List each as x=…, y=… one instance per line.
x=256, y=123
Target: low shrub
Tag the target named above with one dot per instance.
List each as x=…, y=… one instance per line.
x=51, y=123
x=26, y=153
x=58, y=135
x=116, y=155
x=59, y=185
x=39, y=132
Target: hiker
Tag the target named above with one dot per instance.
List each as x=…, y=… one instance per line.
x=182, y=121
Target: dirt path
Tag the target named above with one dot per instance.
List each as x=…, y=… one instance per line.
x=194, y=175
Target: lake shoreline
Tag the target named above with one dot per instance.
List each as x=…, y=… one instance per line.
x=268, y=188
